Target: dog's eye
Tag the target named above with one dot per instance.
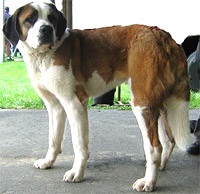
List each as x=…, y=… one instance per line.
x=32, y=18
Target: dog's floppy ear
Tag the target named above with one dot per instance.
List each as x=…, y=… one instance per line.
x=62, y=24
x=11, y=28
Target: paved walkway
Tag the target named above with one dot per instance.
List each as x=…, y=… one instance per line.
x=116, y=157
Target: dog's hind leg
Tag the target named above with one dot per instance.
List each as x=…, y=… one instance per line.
x=78, y=120
x=57, y=118
x=166, y=139
x=147, y=121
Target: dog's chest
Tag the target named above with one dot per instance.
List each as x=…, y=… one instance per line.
x=38, y=68
x=44, y=74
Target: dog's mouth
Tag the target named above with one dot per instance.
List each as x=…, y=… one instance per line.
x=45, y=47
x=48, y=43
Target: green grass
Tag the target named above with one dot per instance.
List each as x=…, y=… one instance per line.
x=194, y=100
x=16, y=91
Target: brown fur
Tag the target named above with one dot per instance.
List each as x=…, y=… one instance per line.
x=23, y=25
x=167, y=127
x=149, y=56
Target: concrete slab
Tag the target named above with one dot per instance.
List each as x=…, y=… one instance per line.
x=116, y=157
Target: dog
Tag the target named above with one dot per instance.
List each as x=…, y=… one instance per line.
x=66, y=67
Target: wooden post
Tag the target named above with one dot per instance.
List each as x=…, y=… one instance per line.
x=67, y=11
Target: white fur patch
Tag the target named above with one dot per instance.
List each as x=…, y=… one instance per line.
x=97, y=86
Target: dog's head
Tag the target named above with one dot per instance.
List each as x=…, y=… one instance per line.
x=37, y=24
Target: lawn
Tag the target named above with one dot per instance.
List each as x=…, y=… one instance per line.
x=16, y=91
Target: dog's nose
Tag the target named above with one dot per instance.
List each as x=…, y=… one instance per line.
x=45, y=29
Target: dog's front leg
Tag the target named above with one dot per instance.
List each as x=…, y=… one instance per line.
x=57, y=118
x=78, y=120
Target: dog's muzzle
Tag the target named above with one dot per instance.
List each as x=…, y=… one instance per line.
x=46, y=35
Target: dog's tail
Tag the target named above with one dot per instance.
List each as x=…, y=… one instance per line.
x=178, y=120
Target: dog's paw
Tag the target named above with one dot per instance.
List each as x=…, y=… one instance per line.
x=162, y=166
x=72, y=176
x=42, y=164
x=143, y=185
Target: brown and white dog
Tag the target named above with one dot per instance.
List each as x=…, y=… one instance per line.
x=66, y=67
